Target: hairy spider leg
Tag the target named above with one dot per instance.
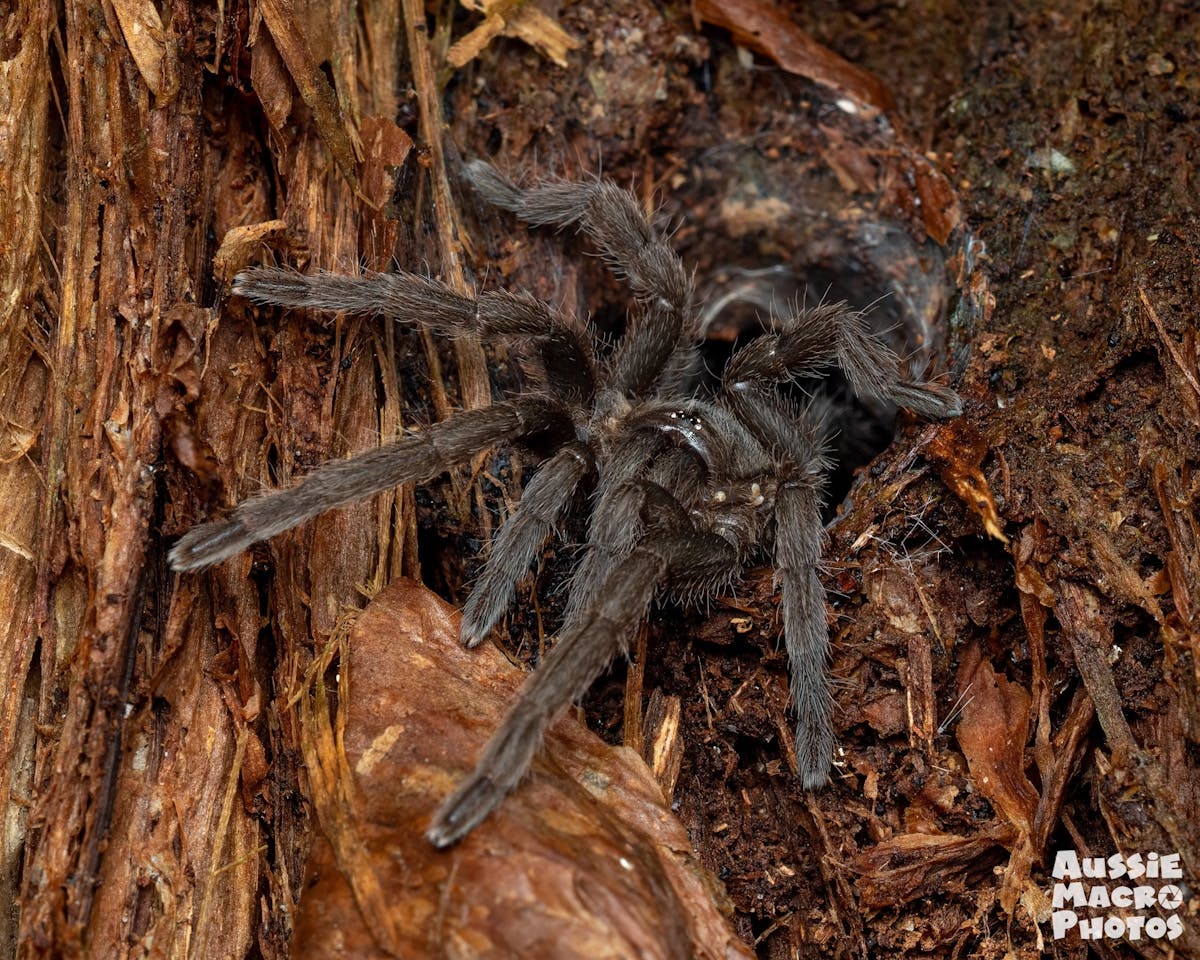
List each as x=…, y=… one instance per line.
x=645, y=352
x=806, y=345
x=816, y=339
x=669, y=545
x=798, y=537
x=543, y=502
x=799, y=432
x=610, y=537
x=579, y=656
x=566, y=358
x=633, y=248
x=412, y=459
x=796, y=435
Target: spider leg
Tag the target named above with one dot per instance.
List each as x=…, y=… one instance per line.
x=613, y=220
x=799, y=432
x=567, y=357
x=681, y=373
x=581, y=653
x=797, y=435
x=798, y=537
x=414, y=458
x=578, y=657
x=542, y=504
x=613, y=528
x=816, y=339
x=644, y=358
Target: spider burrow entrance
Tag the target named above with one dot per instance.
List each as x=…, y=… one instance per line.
x=898, y=287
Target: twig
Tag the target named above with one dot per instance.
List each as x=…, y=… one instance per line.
x=1169, y=343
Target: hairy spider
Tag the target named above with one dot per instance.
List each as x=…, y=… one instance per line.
x=691, y=482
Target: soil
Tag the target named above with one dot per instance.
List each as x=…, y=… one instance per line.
x=1021, y=563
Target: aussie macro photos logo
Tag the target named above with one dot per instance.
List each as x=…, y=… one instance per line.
x=1108, y=898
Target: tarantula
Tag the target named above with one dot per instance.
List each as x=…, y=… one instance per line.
x=690, y=482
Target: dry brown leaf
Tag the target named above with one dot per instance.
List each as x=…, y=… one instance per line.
x=960, y=450
x=764, y=28
x=940, y=212
x=385, y=148
x=584, y=859
x=992, y=733
x=513, y=18
x=886, y=715
x=240, y=244
x=153, y=49
x=269, y=78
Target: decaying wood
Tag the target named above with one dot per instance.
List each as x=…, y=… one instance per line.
x=1018, y=639
x=586, y=860
x=150, y=781
x=24, y=373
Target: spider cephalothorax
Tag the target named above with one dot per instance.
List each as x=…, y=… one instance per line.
x=691, y=483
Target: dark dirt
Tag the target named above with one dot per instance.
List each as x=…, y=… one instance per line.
x=1066, y=137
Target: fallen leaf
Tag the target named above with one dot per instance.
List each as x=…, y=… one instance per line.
x=960, y=450
x=764, y=28
x=583, y=859
x=992, y=733
x=914, y=865
x=154, y=49
x=240, y=244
